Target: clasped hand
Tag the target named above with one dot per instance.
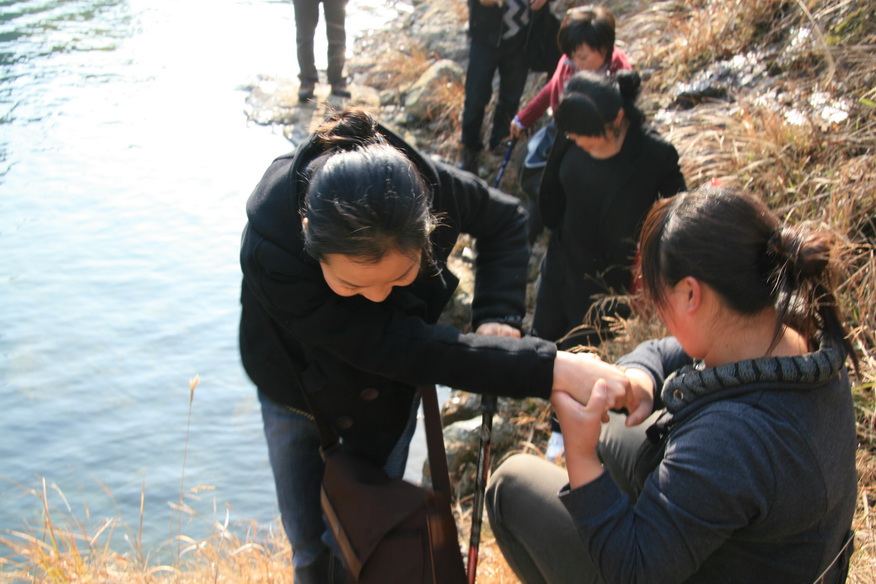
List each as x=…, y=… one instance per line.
x=585, y=389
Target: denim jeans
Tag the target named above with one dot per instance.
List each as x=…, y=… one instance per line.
x=484, y=59
x=306, y=19
x=293, y=450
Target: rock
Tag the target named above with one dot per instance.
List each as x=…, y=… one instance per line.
x=461, y=405
x=274, y=102
x=462, y=441
x=419, y=101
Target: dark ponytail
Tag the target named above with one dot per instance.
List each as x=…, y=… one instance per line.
x=733, y=242
x=591, y=101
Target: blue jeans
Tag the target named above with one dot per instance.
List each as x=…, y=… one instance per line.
x=293, y=450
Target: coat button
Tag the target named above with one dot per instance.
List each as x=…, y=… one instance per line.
x=344, y=423
x=369, y=394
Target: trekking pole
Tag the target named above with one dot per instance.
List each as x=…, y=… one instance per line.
x=488, y=407
x=511, y=144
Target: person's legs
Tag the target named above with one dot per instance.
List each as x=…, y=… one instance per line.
x=549, y=320
x=335, y=17
x=618, y=447
x=512, y=81
x=293, y=450
x=482, y=63
x=531, y=525
x=306, y=19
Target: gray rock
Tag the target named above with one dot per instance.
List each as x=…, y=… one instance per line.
x=419, y=99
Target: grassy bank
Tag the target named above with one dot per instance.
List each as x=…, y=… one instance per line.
x=804, y=138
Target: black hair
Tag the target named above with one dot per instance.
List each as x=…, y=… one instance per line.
x=364, y=197
x=729, y=239
x=591, y=102
x=591, y=25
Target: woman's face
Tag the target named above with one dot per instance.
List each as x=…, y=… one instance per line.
x=586, y=58
x=593, y=145
x=349, y=276
x=683, y=314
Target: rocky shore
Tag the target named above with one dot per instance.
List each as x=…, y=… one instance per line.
x=753, y=93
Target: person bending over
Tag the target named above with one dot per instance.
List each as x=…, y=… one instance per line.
x=344, y=260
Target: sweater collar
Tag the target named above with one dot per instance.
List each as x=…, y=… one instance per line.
x=691, y=382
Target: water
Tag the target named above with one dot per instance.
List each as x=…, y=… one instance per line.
x=125, y=162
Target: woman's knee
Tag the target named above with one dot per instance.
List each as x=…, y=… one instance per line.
x=515, y=487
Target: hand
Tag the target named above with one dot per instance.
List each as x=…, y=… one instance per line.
x=642, y=388
x=576, y=374
x=498, y=329
x=537, y=4
x=516, y=132
x=581, y=428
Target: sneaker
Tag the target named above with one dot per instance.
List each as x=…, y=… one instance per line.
x=340, y=90
x=305, y=90
x=556, y=447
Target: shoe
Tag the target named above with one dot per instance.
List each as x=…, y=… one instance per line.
x=305, y=90
x=469, y=159
x=556, y=447
x=340, y=90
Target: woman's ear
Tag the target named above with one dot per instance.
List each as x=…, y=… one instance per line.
x=304, y=223
x=693, y=291
x=618, y=119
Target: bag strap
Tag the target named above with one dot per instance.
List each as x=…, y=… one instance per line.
x=435, y=442
x=434, y=437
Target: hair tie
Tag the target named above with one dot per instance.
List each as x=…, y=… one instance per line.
x=774, y=242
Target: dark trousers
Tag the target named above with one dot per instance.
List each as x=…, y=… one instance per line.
x=306, y=19
x=484, y=59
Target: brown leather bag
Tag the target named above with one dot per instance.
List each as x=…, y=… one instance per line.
x=389, y=530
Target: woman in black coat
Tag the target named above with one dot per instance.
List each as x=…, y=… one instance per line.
x=598, y=185
x=344, y=279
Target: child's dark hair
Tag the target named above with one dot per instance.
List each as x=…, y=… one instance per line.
x=591, y=101
x=591, y=25
x=730, y=240
x=364, y=197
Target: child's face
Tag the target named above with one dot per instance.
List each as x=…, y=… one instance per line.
x=586, y=58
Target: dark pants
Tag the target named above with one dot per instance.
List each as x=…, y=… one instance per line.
x=534, y=530
x=306, y=19
x=484, y=59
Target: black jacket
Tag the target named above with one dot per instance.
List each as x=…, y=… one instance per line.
x=359, y=360
x=486, y=23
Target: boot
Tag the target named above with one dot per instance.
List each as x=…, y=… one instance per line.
x=305, y=90
x=468, y=159
x=340, y=90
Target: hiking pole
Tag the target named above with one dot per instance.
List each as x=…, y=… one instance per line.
x=488, y=407
x=511, y=144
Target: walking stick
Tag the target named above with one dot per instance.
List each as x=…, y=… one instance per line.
x=488, y=407
x=511, y=144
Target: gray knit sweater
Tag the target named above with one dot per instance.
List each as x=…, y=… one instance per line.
x=758, y=487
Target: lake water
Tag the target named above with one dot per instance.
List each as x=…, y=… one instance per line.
x=125, y=162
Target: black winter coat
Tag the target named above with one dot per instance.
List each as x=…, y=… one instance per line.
x=360, y=360
x=486, y=24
